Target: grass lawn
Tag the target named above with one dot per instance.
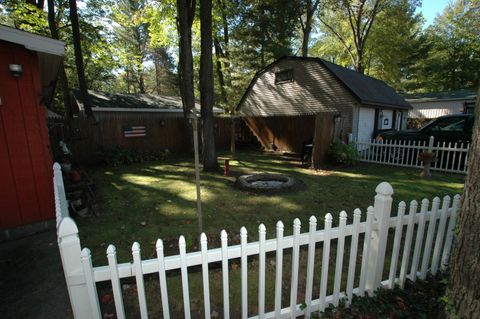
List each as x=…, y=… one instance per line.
x=143, y=202
x=161, y=196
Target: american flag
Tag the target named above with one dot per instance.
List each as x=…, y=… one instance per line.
x=134, y=131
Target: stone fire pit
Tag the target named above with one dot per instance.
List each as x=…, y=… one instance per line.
x=266, y=182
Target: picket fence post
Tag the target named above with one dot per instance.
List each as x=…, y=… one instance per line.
x=382, y=209
x=70, y=253
x=431, y=143
x=61, y=205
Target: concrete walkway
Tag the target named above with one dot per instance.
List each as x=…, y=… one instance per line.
x=32, y=284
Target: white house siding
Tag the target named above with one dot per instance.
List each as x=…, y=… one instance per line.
x=366, y=123
x=434, y=109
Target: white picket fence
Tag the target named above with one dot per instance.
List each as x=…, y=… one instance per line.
x=430, y=253
x=450, y=157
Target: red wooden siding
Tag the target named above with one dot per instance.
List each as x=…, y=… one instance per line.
x=25, y=161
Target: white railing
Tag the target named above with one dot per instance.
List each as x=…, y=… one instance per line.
x=428, y=256
x=450, y=157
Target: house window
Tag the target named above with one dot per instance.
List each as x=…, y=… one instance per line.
x=284, y=76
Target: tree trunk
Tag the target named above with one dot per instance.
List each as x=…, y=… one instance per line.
x=156, y=60
x=307, y=26
x=221, y=79
x=186, y=12
x=185, y=15
x=63, y=76
x=82, y=83
x=210, y=162
x=465, y=275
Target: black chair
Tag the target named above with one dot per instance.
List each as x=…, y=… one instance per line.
x=306, y=155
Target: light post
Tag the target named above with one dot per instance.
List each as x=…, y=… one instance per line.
x=195, y=116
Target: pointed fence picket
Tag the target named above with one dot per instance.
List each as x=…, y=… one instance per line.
x=451, y=158
x=368, y=242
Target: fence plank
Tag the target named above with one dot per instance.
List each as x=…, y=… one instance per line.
x=295, y=262
x=162, y=279
x=310, y=266
x=206, y=281
x=244, y=265
x=61, y=205
x=408, y=242
x=261, y=271
x=116, y=287
x=366, y=251
x=428, y=243
x=450, y=232
x=325, y=260
x=183, y=268
x=137, y=264
x=353, y=254
x=278, y=269
x=396, y=245
x=419, y=239
x=225, y=274
x=440, y=234
x=382, y=209
x=409, y=160
x=86, y=258
x=70, y=251
x=339, y=260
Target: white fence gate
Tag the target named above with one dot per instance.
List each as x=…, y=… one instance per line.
x=450, y=157
x=433, y=228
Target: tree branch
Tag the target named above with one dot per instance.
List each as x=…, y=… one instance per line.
x=340, y=38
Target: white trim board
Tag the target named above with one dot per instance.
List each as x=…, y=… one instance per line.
x=32, y=41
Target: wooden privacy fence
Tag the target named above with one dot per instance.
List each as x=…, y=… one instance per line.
x=450, y=157
x=410, y=257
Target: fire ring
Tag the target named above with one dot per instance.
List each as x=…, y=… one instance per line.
x=266, y=182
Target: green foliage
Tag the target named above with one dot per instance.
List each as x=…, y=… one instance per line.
x=453, y=60
x=422, y=299
x=22, y=15
x=118, y=155
x=343, y=153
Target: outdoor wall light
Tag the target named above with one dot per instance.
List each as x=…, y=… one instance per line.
x=16, y=70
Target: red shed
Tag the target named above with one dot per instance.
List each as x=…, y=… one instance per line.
x=28, y=71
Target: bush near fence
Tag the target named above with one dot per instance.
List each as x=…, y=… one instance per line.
x=433, y=228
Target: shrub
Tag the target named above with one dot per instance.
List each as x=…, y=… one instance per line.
x=341, y=153
x=118, y=155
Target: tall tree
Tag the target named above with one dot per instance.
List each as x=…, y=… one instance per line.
x=453, y=59
x=62, y=75
x=222, y=53
x=360, y=15
x=465, y=275
x=306, y=20
x=210, y=162
x=77, y=45
x=131, y=31
x=185, y=16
